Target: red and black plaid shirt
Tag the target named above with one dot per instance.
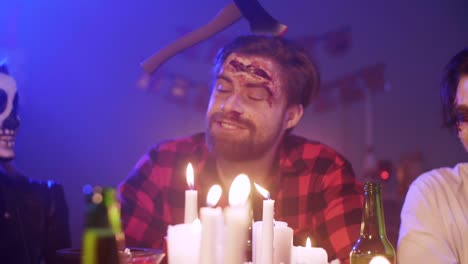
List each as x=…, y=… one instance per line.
x=314, y=189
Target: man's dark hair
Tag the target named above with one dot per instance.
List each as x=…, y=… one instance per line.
x=300, y=74
x=453, y=72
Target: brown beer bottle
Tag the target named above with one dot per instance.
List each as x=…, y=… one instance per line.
x=372, y=241
x=102, y=237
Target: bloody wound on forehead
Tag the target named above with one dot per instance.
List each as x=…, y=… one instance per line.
x=257, y=72
x=239, y=66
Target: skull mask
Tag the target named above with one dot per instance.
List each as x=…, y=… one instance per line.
x=9, y=121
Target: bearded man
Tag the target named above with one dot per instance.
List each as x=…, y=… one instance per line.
x=260, y=90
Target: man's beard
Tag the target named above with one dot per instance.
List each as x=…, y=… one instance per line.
x=234, y=148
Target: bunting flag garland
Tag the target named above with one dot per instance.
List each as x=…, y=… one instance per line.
x=185, y=91
x=350, y=88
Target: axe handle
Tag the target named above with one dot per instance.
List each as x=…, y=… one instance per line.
x=227, y=16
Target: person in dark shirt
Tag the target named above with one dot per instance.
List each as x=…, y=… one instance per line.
x=33, y=214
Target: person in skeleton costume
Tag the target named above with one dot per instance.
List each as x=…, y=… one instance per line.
x=33, y=214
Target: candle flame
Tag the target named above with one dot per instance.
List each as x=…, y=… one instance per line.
x=213, y=195
x=262, y=191
x=190, y=177
x=379, y=260
x=239, y=191
x=308, y=243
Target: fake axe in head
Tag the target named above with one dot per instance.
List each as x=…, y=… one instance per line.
x=259, y=20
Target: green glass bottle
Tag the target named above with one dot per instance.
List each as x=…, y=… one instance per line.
x=113, y=214
x=102, y=235
x=373, y=240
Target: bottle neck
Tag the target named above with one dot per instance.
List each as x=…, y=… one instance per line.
x=103, y=210
x=373, y=218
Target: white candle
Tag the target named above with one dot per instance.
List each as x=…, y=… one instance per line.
x=183, y=243
x=266, y=249
x=308, y=254
x=212, y=221
x=191, y=197
x=282, y=242
x=237, y=218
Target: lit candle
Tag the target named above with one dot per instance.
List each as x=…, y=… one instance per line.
x=212, y=221
x=282, y=242
x=190, y=197
x=264, y=254
x=183, y=243
x=237, y=218
x=308, y=254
